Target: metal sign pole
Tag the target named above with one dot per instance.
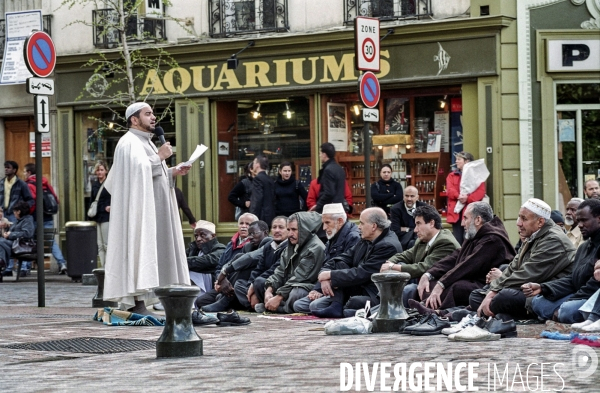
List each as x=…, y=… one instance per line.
x=39, y=214
x=367, y=151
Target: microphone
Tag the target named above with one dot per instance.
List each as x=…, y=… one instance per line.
x=160, y=133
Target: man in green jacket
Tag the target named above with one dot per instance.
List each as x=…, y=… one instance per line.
x=299, y=265
x=433, y=244
x=546, y=254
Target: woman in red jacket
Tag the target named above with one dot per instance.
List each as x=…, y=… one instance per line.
x=454, y=195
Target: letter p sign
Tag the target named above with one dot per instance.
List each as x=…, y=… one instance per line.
x=574, y=52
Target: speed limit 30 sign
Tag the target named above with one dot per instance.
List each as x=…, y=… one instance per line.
x=366, y=33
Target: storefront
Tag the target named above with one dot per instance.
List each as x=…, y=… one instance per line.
x=292, y=93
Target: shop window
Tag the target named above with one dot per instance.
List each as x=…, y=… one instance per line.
x=276, y=128
x=230, y=17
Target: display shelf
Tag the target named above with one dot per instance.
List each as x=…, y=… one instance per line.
x=428, y=172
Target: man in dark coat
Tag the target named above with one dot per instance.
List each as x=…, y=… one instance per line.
x=402, y=216
x=262, y=200
x=563, y=297
x=546, y=254
x=332, y=179
x=342, y=235
x=450, y=281
x=231, y=272
x=264, y=261
x=234, y=247
x=19, y=191
x=204, y=253
x=346, y=280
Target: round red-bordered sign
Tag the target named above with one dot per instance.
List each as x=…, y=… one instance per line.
x=39, y=54
x=369, y=56
x=369, y=89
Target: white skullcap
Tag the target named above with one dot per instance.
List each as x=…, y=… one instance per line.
x=131, y=109
x=334, y=208
x=538, y=207
x=209, y=226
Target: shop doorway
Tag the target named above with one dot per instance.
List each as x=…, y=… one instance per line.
x=578, y=140
x=18, y=131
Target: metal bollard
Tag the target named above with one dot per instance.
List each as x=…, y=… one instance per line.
x=178, y=339
x=392, y=315
x=98, y=300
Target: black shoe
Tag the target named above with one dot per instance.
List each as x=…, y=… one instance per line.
x=433, y=325
x=506, y=329
x=7, y=273
x=231, y=318
x=413, y=322
x=23, y=273
x=458, y=315
x=420, y=307
x=199, y=319
x=2, y=265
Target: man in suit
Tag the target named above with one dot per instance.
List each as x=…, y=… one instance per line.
x=332, y=179
x=402, y=217
x=433, y=244
x=262, y=201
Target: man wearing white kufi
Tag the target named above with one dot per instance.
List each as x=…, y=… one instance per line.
x=145, y=243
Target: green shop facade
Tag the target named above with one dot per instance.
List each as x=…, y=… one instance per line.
x=292, y=92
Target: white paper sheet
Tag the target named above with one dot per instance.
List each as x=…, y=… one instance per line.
x=200, y=149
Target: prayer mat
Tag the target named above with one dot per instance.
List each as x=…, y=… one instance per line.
x=114, y=317
x=570, y=336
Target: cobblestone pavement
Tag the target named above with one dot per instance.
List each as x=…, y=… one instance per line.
x=269, y=355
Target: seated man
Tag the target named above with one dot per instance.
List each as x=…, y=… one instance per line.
x=264, y=262
x=203, y=255
x=346, y=279
x=234, y=247
x=341, y=233
x=402, y=216
x=573, y=232
x=433, y=244
x=298, y=268
x=546, y=254
x=231, y=272
x=452, y=279
x=592, y=323
x=562, y=298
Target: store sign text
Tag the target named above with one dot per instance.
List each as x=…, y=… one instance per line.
x=573, y=55
x=277, y=72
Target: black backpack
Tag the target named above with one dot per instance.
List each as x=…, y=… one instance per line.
x=50, y=206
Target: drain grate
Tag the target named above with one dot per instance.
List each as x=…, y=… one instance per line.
x=87, y=345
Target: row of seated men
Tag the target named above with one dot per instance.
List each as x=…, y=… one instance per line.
x=294, y=271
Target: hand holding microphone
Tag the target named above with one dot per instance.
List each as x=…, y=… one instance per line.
x=165, y=151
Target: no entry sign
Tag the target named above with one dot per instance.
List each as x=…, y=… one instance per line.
x=40, y=54
x=370, y=91
x=366, y=33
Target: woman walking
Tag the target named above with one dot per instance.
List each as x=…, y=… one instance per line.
x=103, y=209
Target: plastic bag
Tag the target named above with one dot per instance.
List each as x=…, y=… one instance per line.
x=358, y=324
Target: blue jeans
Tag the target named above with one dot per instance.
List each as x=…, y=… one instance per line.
x=56, y=253
x=568, y=310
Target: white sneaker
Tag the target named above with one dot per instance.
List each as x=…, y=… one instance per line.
x=581, y=325
x=593, y=327
x=464, y=323
x=474, y=333
x=159, y=307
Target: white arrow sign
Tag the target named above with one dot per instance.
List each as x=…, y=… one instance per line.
x=371, y=115
x=42, y=114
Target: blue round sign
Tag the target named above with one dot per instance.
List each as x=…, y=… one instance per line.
x=370, y=91
x=40, y=54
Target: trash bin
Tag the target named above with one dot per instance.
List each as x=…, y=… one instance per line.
x=82, y=248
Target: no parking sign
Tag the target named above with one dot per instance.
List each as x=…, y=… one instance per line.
x=39, y=54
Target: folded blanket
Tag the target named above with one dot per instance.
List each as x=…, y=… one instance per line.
x=569, y=337
x=113, y=317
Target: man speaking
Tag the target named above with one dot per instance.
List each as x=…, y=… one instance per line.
x=145, y=242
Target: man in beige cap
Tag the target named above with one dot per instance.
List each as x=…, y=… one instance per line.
x=145, y=245
x=545, y=255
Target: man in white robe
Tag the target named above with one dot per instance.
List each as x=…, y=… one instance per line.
x=145, y=243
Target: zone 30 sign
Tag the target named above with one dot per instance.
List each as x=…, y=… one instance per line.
x=366, y=33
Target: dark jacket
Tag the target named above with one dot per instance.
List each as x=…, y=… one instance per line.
x=207, y=262
x=23, y=228
x=489, y=248
x=354, y=267
x=332, y=179
x=18, y=192
x=400, y=218
x=247, y=259
x=262, y=201
x=300, y=263
x=417, y=260
x=103, y=202
x=241, y=193
x=287, y=193
x=345, y=239
x=231, y=250
x=386, y=193
x=548, y=256
x=264, y=261
x=581, y=281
